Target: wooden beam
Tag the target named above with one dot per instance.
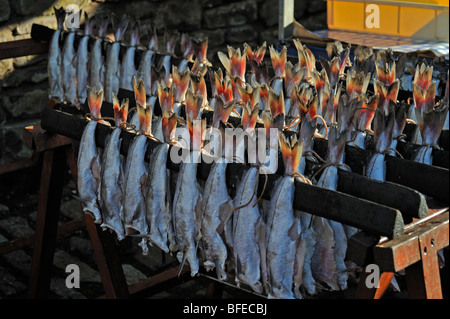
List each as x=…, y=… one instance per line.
x=402, y=252
x=25, y=47
x=285, y=19
x=365, y=215
x=429, y=180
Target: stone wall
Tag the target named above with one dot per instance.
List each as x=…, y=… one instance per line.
x=23, y=81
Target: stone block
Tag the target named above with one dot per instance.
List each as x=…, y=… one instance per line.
x=232, y=14
x=5, y=10
x=30, y=104
x=15, y=227
x=239, y=35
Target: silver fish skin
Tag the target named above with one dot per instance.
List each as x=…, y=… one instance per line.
x=282, y=234
x=376, y=168
x=54, y=68
x=158, y=201
x=128, y=69
x=247, y=223
x=145, y=69
x=216, y=210
x=112, y=71
x=186, y=213
x=112, y=175
x=112, y=65
x=136, y=170
x=82, y=64
x=69, y=70
x=329, y=180
x=308, y=238
x=96, y=67
x=89, y=170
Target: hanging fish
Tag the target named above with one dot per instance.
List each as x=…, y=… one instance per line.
x=112, y=72
x=83, y=60
x=283, y=227
x=96, y=63
x=128, y=67
x=136, y=172
x=148, y=61
x=89, y=162
x=113, y=175
x=248, y=234
x=158, y=197
x=56, y=91
x=69, y=68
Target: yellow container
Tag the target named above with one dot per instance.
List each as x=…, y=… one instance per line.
x=419, y=19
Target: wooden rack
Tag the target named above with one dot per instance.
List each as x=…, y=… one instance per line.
x=384, y=215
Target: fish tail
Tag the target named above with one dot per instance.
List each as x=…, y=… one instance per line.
x=187, y=47
x=249, y=116
x=424, y=100
x=201, y=49
x=60, y=17
x=120, y=110
x=170, y=40
x=95, y=101
x=166, y=97
x=193, y=105
x=423, y=76
x=237, y=62
x=145, y=117
x=153, y=36
x=278, y=61
x=102, y=23
x=181, y=82
x=291, y=150
x=276, y=103
x=222, y=111
x=367, y=112
x=135, y=33
x=357, y=83
x=169, y=125
x=139, y=91
x=121, y=28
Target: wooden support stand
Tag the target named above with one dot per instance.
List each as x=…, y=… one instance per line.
x=416, y=252
x=58, y=155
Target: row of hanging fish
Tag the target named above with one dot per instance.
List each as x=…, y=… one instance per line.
x=75, y=65
x=268, y=245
